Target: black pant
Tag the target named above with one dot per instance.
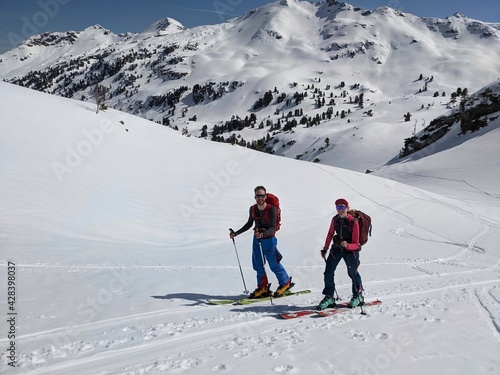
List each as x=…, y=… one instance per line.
x=351, y=259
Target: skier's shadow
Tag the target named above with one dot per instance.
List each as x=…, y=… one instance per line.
x=196, y=298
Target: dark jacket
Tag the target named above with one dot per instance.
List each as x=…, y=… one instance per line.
x=265, y=221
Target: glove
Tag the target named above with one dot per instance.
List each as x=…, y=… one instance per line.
x=323, y=253
x=342, y=248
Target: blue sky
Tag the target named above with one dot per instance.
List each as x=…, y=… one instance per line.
x=20, y=19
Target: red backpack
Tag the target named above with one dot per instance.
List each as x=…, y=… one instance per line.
x=273, y=200
x=365, y=225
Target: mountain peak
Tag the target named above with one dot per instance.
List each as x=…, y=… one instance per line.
x=459, y=15
x=164, y=27
x=59, y=39
x=95, y=27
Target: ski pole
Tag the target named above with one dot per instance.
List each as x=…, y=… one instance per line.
x=362, y=310
x=239, y=264
x=264, y=266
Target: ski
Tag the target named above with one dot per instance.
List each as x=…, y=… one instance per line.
x=344, y=307
x=297, y=314
x=341, y=307
x=247, y=301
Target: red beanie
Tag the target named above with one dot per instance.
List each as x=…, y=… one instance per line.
x=342, y=201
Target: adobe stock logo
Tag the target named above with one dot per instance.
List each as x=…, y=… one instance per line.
x=32, y=25
x=218, y=181
x=225, y=7
x=75, y=155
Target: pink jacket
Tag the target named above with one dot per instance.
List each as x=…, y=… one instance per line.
x=351, y=246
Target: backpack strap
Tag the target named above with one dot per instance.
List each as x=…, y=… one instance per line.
x=256, y=212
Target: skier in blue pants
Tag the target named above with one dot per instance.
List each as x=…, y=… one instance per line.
x=265, y=245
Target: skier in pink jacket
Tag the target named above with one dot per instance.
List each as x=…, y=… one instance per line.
x=344, y=232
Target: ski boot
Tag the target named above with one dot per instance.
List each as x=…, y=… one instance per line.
x=358, y=300
x=283, y=288
x=261, y=292
x=326, y=303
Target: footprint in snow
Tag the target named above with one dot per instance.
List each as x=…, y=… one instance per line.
x=220, y=367
x=283, y=368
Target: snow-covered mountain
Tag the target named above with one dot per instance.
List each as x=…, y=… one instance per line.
x=293, y=78
x=52, y=48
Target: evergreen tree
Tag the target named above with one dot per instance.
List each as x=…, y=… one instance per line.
x=100, y=96
x=204, y=131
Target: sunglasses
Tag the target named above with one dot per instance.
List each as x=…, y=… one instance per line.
x=260, y=196
x=341, y=207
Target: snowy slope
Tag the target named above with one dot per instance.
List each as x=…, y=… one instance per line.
x=118, y=229
x=441, y=164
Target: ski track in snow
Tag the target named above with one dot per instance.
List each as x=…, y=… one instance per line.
x=488, y=302
x=231, y=328
x=234, y=337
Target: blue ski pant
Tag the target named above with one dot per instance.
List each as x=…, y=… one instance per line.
x=351, y=259
x=270, y=252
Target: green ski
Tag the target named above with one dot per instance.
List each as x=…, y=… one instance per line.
x=247, y=301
